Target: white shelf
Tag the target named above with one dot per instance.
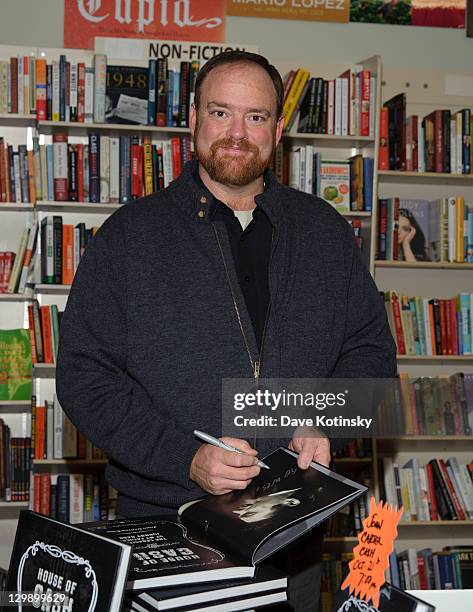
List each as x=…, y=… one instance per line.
x=414, y=524
x=76, y=207
x=111, y=127
x=437, y=265
x=70, y=462
x=435, y=358
x=16, y=206
x=15, y=406
x=47, y=289
x=423, y=177
x=16, y=297
x=329, y=140
x=5, y=504
x=44, y=370
x=17, y=119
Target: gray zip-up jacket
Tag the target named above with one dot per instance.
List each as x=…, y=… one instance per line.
x=150, y=328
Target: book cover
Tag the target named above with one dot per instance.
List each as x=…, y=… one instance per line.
x=48, y=552
x=126, y=95
x=15, y=365
x=334, y=184
x=419, y=230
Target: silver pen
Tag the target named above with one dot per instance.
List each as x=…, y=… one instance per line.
x=216, y=442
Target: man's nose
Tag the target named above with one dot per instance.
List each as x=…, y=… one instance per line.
x=237, y=127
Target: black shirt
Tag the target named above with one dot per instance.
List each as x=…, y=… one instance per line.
x=251, y=250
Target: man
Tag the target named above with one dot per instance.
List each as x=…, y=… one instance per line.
x=173, y=295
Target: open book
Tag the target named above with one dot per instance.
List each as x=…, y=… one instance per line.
x=223, y=536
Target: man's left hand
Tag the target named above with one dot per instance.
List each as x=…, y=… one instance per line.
x=311, y=445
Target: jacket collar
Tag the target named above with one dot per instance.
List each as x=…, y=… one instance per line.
x=195, y=199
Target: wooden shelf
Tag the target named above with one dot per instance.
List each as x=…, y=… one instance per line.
x=435, y=358
x=437, y=265
x=44, y=370
x=76, y=207
x=397, y=176
x=46, y=289
x=70, y=461
x=16, y=206
x=16, y=297
x=111, y=127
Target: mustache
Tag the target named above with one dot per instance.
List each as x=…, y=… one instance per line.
x=240, y=145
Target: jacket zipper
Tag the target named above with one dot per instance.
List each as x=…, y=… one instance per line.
x=256, y=364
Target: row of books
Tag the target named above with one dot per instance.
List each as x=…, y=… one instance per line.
x=346, y=185
x=15, y=464
x=349, y=520
x=450, y=568
x=62, y=246
x=356, y=448
x=44, y=323
x=431, y=405
x=16, y=268
x=423, y=230
x=65, y=90
x=438, y=490
x=53, y=436
x=106, y=169
x=430, y=326
x=341, y=106
x=73, y=498
x=438, y=142
x=334, y=569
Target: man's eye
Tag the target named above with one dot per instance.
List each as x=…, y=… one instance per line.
x=257, y=118
x=219, y=113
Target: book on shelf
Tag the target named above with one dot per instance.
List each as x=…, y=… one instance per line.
x=225, y=536
x=422, y=230
x=15, y=365
x=437, y=491
x=266, y=587
x=48, y=554
x=430, y=326
x=450, y=568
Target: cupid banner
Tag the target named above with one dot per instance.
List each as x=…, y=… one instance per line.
x=196, y=20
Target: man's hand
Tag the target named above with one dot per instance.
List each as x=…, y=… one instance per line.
x=311, y=445
x=219, y=471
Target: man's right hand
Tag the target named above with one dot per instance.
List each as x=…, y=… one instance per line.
x=219, y=471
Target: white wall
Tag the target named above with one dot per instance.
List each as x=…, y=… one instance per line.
x=40, y=23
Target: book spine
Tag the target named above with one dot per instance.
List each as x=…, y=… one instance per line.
x=152, y=91
x=100, y=78
x=161, y=95
x=73, y=93
x=104, y=169
x=89, y=95
x=94, y=167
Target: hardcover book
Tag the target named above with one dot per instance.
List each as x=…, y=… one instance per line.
x=126, y=99
x=69, y=563
x=267, y=579
x=391, y=599
x=224, y=536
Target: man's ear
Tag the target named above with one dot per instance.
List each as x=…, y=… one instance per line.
x=192, y=118
x=279, y=128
